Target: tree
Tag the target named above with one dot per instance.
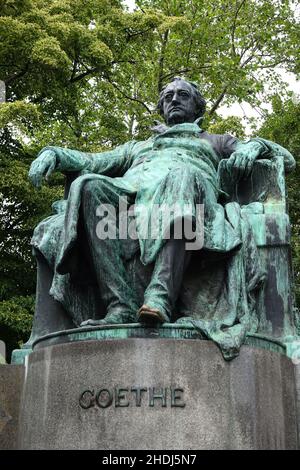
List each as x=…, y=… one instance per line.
x=230, y=47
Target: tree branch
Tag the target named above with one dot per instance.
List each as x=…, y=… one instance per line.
x=234, y=26
x=188, y=56
x=94, y=70
x=162, y=60
x=15, y=76
x=170, y=75
x=246, y=61
x=274, y=64
x=74, y=69
x=218, y=101
x=137, y=33
x=84, y=74
x=130, y=98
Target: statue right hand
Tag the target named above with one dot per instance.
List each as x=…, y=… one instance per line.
x=42, y=167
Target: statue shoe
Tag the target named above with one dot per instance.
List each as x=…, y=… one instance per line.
x=111, y=319
x=151, y=315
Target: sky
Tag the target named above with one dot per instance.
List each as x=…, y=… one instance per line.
x=130, y=4
x=244, y=110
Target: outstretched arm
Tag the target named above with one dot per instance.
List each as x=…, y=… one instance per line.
x=244, y=154
x=50, y=159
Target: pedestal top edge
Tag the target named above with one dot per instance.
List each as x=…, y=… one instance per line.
x=136, y=330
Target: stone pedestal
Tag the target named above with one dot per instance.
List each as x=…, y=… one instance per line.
x=11, y=383
x=146, y=393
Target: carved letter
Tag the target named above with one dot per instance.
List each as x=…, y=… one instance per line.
x=107, y=401
x=120, y=395
x=176, y=396
x=87, y=399
x=161, y=395
x=138, y=394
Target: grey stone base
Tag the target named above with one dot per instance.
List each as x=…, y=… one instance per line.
x=11, y=383
x=206, y=403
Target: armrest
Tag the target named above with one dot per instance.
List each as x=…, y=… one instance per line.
x=266, y=184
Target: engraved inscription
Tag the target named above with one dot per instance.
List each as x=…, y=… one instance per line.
x=123, y=397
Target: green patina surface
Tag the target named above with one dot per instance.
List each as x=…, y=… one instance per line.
x=290, y=347
x=225, y=318
x=240, y=286
x=18, y=355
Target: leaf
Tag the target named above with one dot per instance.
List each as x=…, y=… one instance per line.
x=47, y=51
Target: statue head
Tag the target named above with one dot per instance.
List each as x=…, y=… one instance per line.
x=181, y=101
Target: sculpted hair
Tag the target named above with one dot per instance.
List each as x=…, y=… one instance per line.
x=200, y=101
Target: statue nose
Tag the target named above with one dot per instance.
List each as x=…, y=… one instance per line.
x=175, y=99
x=174, y=103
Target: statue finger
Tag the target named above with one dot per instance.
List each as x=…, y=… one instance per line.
x=33, y=175
x=235, y=173
x=242, y=168
x=36, y=180
x=230, y=163
x=228, y=166
x=37, y=170
x=50, y=170
x=248, y=168
x=238, y=167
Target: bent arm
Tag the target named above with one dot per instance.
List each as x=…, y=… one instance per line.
x=258, y=146
x=112, y=163
x=50, y=159
x=270, y=149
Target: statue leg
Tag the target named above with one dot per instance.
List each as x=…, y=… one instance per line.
x=112, y=277
x=163, y=290
x=181, y=185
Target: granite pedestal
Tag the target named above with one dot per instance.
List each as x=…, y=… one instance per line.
x=11, y=384
x=157, y=393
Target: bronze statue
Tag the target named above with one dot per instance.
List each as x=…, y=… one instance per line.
x=156, y=279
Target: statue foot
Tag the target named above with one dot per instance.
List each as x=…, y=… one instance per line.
x=151, y=315
x=111, y=319
x=185, y=321
x=91, y=322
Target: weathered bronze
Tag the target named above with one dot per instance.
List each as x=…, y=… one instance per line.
x=225, y=287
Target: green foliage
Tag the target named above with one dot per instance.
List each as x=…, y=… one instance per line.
x=16, y=321
x=20, y=114
x=47, y=52
x=86, y=74
x=229, y=125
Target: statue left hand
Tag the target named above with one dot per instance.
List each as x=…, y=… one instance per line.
x=240, y=163
x=42, y=167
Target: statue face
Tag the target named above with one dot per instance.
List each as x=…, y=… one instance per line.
x=178, y=103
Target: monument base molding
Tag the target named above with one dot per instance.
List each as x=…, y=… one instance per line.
x=143, y=393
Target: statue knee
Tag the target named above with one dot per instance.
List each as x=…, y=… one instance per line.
x=90, y=187
x=92, y=192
